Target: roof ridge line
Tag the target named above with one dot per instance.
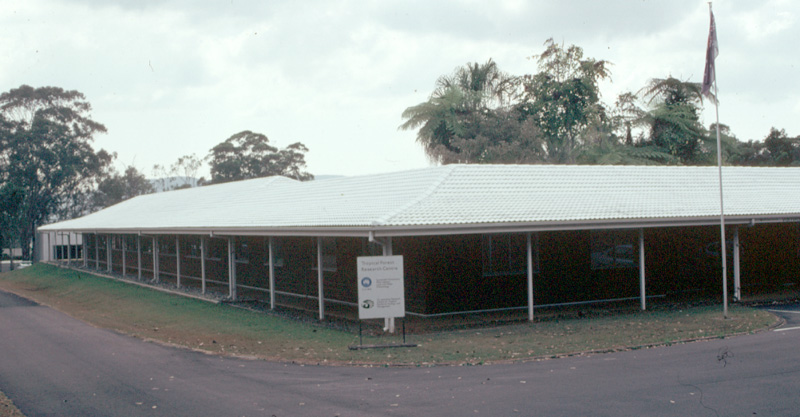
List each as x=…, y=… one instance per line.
x=425, y=194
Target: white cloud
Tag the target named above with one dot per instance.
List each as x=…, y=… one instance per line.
x=169, y=78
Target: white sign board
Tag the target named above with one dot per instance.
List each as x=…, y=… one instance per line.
x=381, y=291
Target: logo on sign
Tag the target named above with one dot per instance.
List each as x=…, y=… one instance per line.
x=367, y=304
x=366, y=282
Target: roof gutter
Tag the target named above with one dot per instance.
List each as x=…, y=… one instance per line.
x=374, y=232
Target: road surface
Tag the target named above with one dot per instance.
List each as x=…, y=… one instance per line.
x=51, y=364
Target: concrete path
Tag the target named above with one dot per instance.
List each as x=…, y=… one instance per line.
x=51, y=364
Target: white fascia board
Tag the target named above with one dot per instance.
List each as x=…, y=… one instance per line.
x=455, y=229
x=225, y=232
x=399, y=231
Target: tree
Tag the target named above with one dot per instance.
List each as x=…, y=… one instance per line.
x=563, y=99
x=452, y=122
x=499, y=136
x=249, y=155
x=47, y=153
x=11, y=198
x=181, y=174
x=674, y=119
x=777, y=149
x=627, y=116
x=781, y=149
x=117, y=188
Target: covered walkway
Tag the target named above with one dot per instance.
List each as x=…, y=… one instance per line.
x=473, y=237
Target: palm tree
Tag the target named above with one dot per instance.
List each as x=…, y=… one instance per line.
x=671, y=90
x=458, y=101
x=674, y=119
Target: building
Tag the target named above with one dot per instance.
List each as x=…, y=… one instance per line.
x=473, y=237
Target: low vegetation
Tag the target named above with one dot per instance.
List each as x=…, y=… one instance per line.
x=224, y=329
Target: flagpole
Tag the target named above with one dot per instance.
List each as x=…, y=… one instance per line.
x=721, y=213
x=723, y=245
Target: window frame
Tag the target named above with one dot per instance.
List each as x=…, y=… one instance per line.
x=495, y=263
x=606, y=246
x=329, y=260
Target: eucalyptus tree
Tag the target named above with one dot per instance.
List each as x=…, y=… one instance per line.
x=181, y=174
x=47, y=153
x=249, y=154
x=11, y=197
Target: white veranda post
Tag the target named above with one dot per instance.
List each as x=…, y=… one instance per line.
x=178, y=261
x=139, y=256
x=108, y=252
x=155, y=259
x=69, y=249
x=642, y=287
x=529, y=250
x=231, y=269
x=271, y=274
x=388, y=323
x=737, y=273
x=124, y=253
x=320, y=288
x=203, y=264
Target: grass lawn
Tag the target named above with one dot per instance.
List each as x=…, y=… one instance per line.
x=223, y=329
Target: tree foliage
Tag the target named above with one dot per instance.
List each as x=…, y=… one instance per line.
x=179, y=175
x=11, y=197
x=464, y=119
x=479, y=114
x=116, y=188
x=47, y=153
x=247, y=155
x=563, y=99
x=674, y=118
x=777, y=149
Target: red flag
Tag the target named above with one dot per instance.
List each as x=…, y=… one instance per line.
x=712, y=51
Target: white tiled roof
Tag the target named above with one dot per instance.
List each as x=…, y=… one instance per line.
x=463, y=196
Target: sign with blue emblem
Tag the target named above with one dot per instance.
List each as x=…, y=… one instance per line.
x=381, y=290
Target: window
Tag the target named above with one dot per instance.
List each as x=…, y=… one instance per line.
x=242, y=251
x=217, y=249
x=166, y=245
x=371, y=248
x=277, y=254
x=116, y=242
x=507, y=254
x=614, y=249
x=147, y=244
x=328, y=255
x=194, y=250
x=130, y=242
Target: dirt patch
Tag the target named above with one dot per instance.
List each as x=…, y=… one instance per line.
x=7, y=407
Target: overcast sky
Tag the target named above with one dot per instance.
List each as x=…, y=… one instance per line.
x=176, y=77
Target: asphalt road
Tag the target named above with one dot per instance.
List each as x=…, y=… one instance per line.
x=51, y=364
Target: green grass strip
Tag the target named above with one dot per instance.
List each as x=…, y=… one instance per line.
x=152, y=315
